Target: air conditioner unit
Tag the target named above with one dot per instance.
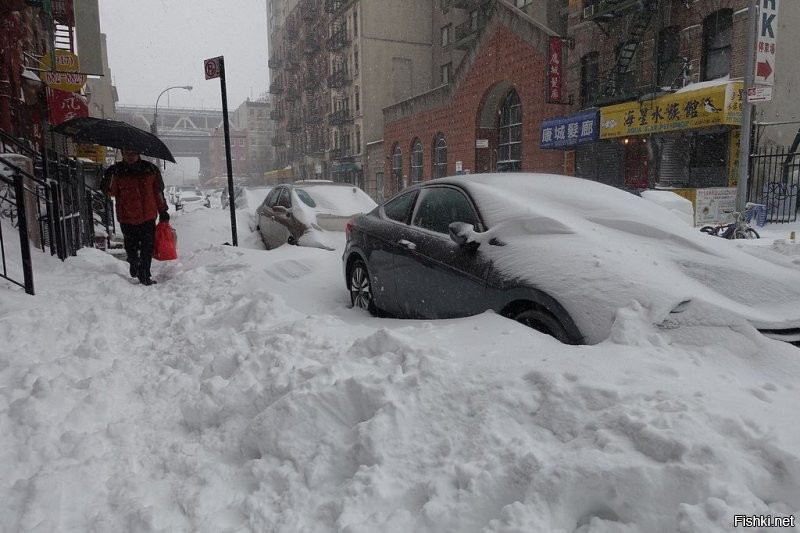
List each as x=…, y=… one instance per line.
x=588, y=11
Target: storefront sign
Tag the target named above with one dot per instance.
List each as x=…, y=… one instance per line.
x=570, y=131
x=699, y=108
x=92, y=152
x=63, y=106
x=554, y=72
x=65, y=76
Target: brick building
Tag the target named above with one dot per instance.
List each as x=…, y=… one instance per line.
x=240, y=152
x=487, y=118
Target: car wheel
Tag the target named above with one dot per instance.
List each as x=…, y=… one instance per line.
x=541, y=320
x=361, y=288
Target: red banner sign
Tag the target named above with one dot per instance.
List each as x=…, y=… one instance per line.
x=554, y=70
x=63, y=106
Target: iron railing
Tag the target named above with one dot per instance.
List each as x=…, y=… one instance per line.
x=774, y=181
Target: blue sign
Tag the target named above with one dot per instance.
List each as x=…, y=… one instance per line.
x=570, y=131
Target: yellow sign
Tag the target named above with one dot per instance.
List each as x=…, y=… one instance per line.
x=699, y=108
x=65, y=77
x=92, y=152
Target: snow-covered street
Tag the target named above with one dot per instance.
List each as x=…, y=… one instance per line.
x=242, y=393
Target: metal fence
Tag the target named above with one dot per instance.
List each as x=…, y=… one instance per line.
x=52, y=202
x=774, y=181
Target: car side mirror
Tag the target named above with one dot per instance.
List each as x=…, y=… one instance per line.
x=463, y=234
x=282, y=211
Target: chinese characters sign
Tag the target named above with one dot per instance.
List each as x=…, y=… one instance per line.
x=709, y=106
x=765, y=49
x=554, y=73
x=570, y=131
x=63, y=106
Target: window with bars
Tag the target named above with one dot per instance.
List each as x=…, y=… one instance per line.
x=440, y=157
x=397, y=167
x=416, y=161
x=509, y=146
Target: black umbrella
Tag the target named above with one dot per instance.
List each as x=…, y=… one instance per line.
x=115, y=134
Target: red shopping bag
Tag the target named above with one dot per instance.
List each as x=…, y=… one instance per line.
x=165, y=247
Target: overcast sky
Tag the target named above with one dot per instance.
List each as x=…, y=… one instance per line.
x=154, y=44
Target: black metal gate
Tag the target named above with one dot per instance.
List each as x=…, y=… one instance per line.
x=774, y=181
x=52, y=202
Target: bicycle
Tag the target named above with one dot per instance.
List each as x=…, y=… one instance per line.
x=740, y=227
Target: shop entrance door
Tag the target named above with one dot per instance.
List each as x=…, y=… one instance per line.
x=636, y=164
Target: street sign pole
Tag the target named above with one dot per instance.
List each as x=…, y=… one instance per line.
x=215, y=68
x=747, y=108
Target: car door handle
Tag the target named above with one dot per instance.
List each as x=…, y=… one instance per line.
x=408, y=245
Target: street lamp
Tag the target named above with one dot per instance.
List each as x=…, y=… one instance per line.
x=154, y=125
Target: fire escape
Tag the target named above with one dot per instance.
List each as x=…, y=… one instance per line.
x=619, y=81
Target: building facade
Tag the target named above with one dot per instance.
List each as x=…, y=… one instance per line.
x=240, y=153
x=254, y=116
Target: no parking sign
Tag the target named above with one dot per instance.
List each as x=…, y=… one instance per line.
x=212, y=67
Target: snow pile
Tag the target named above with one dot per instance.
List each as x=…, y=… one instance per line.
x=242, y=393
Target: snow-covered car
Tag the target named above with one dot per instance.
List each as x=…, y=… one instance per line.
x=191, y=200
x=561, y=254
x=299, y=212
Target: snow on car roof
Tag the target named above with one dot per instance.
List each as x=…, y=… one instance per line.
x=339, y=199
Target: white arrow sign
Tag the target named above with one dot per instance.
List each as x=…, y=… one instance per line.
x=766, y=48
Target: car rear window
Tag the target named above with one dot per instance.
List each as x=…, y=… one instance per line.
x=305, y=198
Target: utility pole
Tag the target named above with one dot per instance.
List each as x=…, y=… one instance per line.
x=747, y=108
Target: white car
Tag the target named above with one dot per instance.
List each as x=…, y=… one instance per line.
x=191, y=200
x=300, y=212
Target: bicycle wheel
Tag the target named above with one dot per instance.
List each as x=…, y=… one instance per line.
x=746, y=233
x=711, y=230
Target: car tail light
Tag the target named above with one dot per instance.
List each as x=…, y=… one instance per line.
x=348, y=229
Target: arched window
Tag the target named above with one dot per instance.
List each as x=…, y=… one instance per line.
x=717, y=32
x=416, y=161
x=439, y=157
x=397, y=168
x=509, y=146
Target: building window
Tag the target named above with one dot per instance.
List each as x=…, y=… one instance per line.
x=670, y=63
x=590, y=84
x=358, y=139
x=439, y=157
x=355, y=59
x=717, y=31
x=357, y=99
x=509, y=146
x=355, y=23
x=446, y=34
x=397, y=168
x=445, y=71
x=416, y=162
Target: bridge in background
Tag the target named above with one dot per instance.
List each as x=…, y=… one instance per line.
x=185, y=131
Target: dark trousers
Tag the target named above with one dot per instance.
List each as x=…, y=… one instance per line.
x=139, y=239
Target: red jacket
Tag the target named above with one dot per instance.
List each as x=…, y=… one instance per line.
x=138, y=190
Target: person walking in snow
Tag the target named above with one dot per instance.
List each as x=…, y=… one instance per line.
x=138, y=189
